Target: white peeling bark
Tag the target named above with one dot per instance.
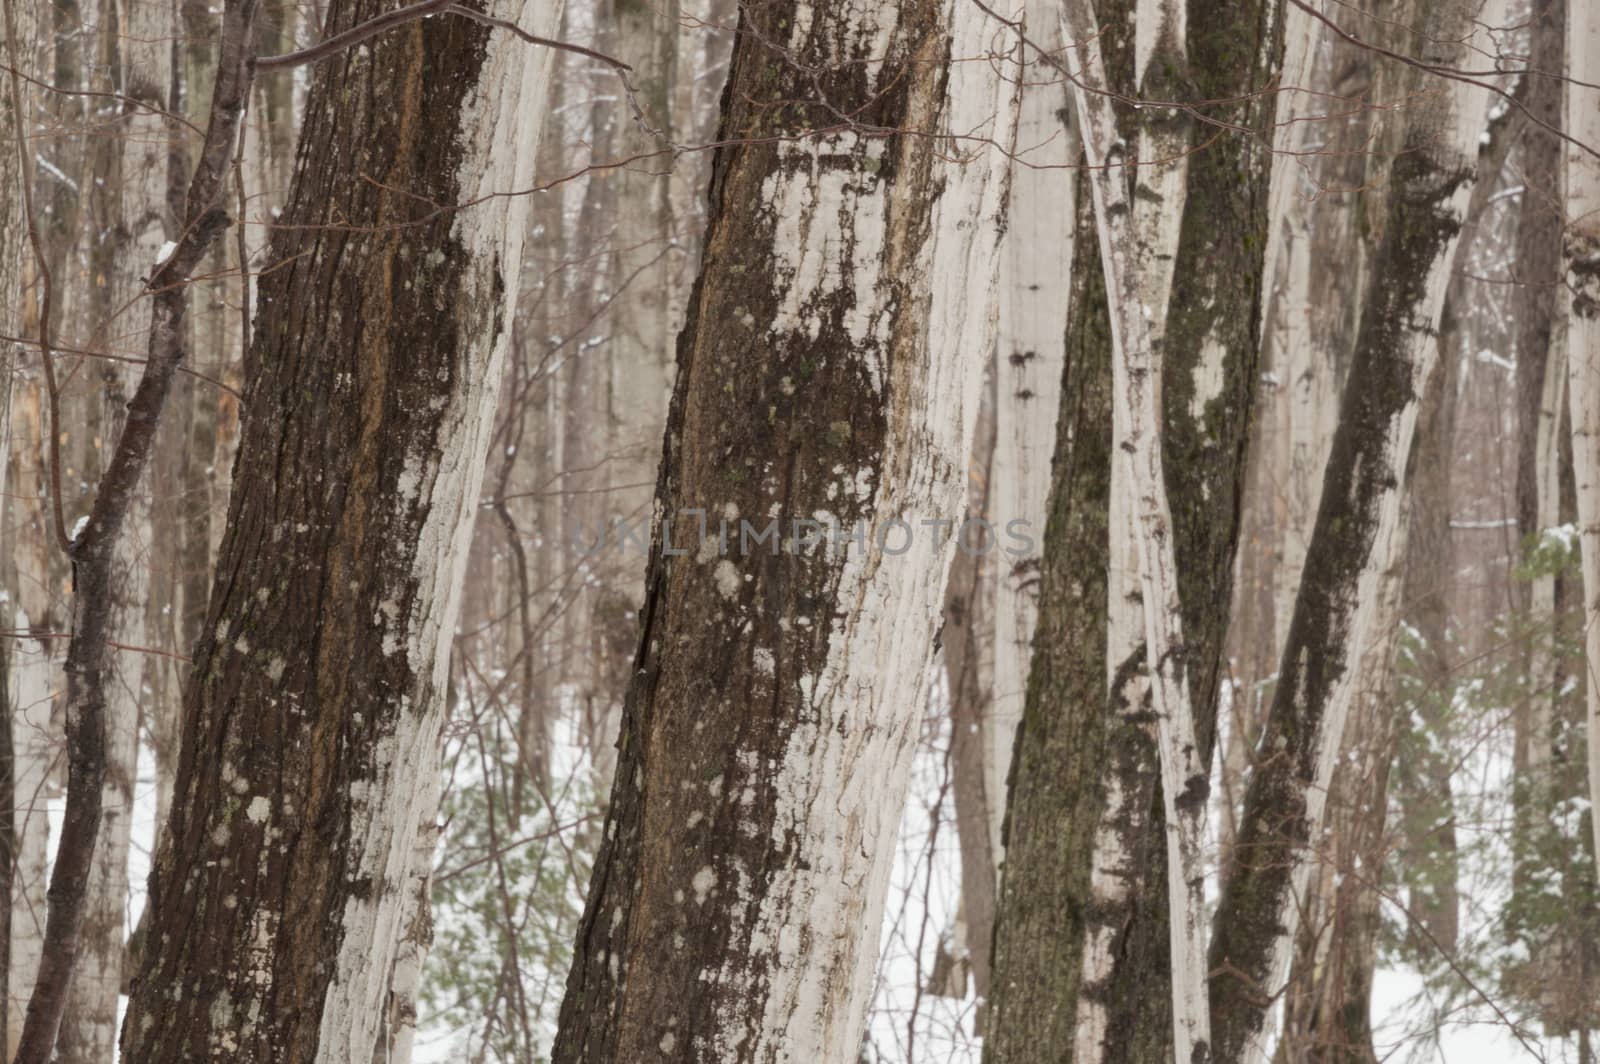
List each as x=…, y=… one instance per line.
x=1124, y=816
x=1130, y=250
x=878, y=258
x=1035, y=278
x=1301, y=348
x=1295, y=362
x=1583, y=343
x=397, y=1038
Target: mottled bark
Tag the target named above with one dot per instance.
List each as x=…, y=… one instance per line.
x=1067, y=733
x=769, y=725
x=1328, y=998
x=1359, y=535
x=312, y=718
x=1327, y=1012
x=1085, y=842
x=1308, y=329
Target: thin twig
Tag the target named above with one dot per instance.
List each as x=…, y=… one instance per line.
x=132, y=360
x=26, y=633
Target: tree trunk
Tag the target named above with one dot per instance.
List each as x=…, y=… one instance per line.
x=636, y=371
x=97, y=540
x=1328, y=998
x=1583, y=346
x=1083, y=932
x=16, y=34
x=1308, y=329
x=312, y=718
x=1541, y=380
x=1359, y=535
x=1036, y=265
x=128, y=202
x=30, y=691
x=1327, y=1012
x=397, y=1025
x=769, y=726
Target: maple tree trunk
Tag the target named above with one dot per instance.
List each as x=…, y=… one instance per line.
x=312, y=718
x=768, y=728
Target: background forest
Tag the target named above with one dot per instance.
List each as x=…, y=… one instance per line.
x=361, y=363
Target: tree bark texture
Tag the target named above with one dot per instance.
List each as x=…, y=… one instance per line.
x=769, y=724
x=278, y=897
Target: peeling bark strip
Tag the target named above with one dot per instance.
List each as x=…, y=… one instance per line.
x=312, y=717
x=1359, y=535
x=830, y=367
x=1035, y=286
x=1583, y=347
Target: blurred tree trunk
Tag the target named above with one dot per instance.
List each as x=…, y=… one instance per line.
x=1583, y=352
x=1541, y=411
x=1358, y=537
x=127, y=208
x=312, y=720
x=618, y=377
x=635, y=364
x=769, y=725
x=33, y=663
x=16, y=35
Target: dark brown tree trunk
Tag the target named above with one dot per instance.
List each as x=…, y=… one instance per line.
x=313, y=712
